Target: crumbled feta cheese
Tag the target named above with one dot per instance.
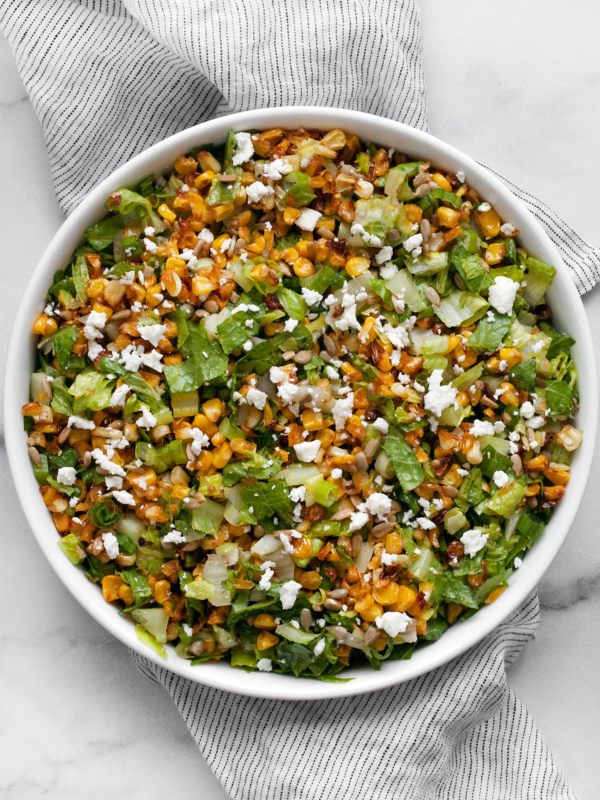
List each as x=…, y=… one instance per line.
x=288, y=594
x=298, y=494
x=508, y=229
x=378, y=504
x=290, y=324
x=342, y=411
x=393, y=623
x=336, y=473
x=147, y=420
x=425, y=523
x=225, y=245
x=483, y=207
x=153, y=360
x=537, y=347
x=111, y=545
x=481, y=427
x=67, y=476
x=368, y=238
x=382, y=425
x=244, y=149
x=473, y=541
x=264, y=665
x=502, y=294
x=104, y=461
x=199, y=440
x=149, y=230
x=413, y=245
x=80, y=422
x=119, y=394
x=439, y=397
x=265, y=582
x=331, y=373
x=358, y=520
x=500, y=478
x=307, y=451
x=460, y=175
x=527, y=410
x=124, y=497
x=517, y=562
x=256, y=398
x=536, y=422
x=319, y=647
x=384, y=254
x=113, y=482
x=150, y=246
x=257, y=191
x=94, y=326
x=308, y=219
x=276, y=169
x=152, y=333
x=388, y=271
x=247, y=346
x=312, y=298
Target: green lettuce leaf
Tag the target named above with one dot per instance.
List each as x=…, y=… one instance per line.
x=102, y=234
x=523, y=375
x=81, y=276
x=268, y=500
x=124, y=201
x=91, y=390
x=403, y=460
x=234, y=332
x=558, y=398
x=454, y=590
x=261, y=466
x=488, y=335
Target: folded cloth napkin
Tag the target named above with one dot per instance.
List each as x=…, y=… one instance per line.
x=108, y=78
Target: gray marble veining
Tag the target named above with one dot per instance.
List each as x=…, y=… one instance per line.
x=514, y=86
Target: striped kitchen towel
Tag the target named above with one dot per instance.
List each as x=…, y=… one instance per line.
x=107, y=79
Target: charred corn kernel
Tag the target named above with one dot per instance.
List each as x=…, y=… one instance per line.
x=207, y=162
x=442, y=182
x=308, y=580
x=302, y=547
x=465, y=357
x=223, y=211
x=167, y=213
x=290, y=255
x=557, y=475
x=272, y=328
x=290, y=215
x=125, y=594
x=242, y=447
x=96, y=287
x=368, y=333
x=368, y=609
x=179, y=492
x=110, y=587
x=151, y=296
x=143, y=479
x=386, y=595
x=161, y=591
x=184, y=165
x=511, y=355
x=447, y=217
x=537, y=463
x=44, y=326
x=352, y=373
x=510, y=395
x=328, y=223
x=452, y=477
x=532, y=490
x=495, y=253
x=205, y=179
x=406, y=598
x=102, y=309
x=312, y=420
x=494, y=595
x=169, y=361
x=240, y=197
x=463, y=399
x=489, y=223
x=178, y=265
x=218, y=438
x=303, y=268
x=493, y=364
x=265, y=622
x=413, y=213
x=335, y=139
x=453, y=342
x=570, y=438
x=421, y=627
x=202, y=285
x=266, y=640
x=452, y=612
x=171, y=282
x=426, y=589
x=553, y=492
x=204, y=461
x=222, y=455
x=357, y=265
x=213, y=409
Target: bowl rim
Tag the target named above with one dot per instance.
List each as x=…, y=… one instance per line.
x=221, y=676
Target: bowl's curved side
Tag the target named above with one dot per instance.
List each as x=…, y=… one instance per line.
x=568, y=312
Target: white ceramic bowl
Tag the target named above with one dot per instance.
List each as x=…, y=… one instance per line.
x=569, y=316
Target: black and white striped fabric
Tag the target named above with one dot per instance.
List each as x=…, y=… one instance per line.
x=107, y=79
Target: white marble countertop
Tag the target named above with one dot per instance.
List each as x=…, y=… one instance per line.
x=516, y=87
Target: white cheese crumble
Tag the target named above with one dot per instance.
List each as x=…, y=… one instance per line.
x=288, y=594
x=307, y=451
x=256, y=398
x=336, y=473
x=368, y=238
x=104, y=461
x=276, y=169
x=378, y=504
x=508, y=229
x=502, y=294
x=290, y=325
x=384, y=254
x=199, y=440
x=244, y=149
x=111, y=545
x=257, y=190
x=413, y=245
x=460, y=175
x=124, y=497
x=319, y=647
x=382, y=425
x=312, y=298
x=147, y=420
x=517, y=562
x=67, y=475
x=483, y=207
x=298, y=494
x=358, y=520
x=527, y=410
x=119, y=394
x=342, y=411
x=80, y=422
x=500, y=478
x=307, y=221
x=264, y=665
x=473, y=541
x=152, y=333
x=113, y=482
x=388, y=271
x=94, y=326
x=439, y=397
x=393, y=623
x=265, y=582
